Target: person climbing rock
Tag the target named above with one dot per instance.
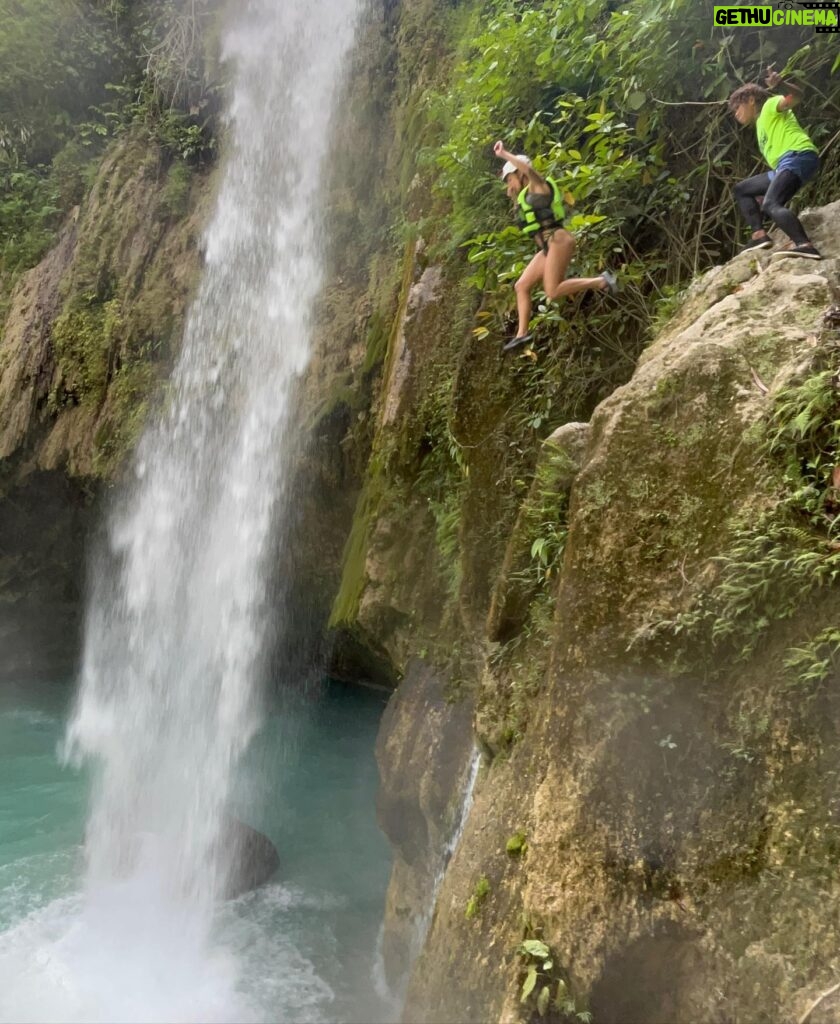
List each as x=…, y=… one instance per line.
x=540, y=206
x=793, y=159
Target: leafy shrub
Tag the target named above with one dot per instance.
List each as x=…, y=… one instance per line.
x=479, y=895
x=816, y=660
x=29, y=202
x=540, y=977
x=516, y=845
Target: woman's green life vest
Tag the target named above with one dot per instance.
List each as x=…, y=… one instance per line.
x=537, y=218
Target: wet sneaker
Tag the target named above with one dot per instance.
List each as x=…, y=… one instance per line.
x=612, y=282
x=756, y=243
x=523, y=339
x=805, y=252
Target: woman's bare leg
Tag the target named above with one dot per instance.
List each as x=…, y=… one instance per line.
x=531, y=276
x=561, y=248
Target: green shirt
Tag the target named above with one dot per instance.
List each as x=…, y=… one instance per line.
x=779, y=132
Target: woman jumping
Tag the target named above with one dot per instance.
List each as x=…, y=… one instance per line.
x=541, y=214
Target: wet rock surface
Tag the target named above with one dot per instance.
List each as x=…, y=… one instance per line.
x=424, y=753
x=253, y=858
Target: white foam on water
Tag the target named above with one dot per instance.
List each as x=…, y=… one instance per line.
x=76, y=959
x=259, y=927
x=28, y=883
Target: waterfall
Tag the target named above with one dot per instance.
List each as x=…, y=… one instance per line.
x=179, y=606
x=423, y=921
x=463, y=814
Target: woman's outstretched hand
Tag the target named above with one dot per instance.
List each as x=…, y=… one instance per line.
x=499, y=149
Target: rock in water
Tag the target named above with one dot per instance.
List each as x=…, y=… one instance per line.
x=253, y=858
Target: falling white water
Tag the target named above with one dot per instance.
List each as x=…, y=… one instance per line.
x=175, y=626
x=423, y=921
x=391, y=991
x=466, y=807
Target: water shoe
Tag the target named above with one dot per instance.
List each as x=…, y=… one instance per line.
x=522, y=339
x=805, y=252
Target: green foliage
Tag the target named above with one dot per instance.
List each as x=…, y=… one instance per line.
x=72, y=173
x=666, y=306
x=75, y=73
x=176, y=192
x=479, y=895
x=546, y=518
x=83, y=345
x=32, y=201
x=55, y=58
x=517, y=845
x=764, y=576
x=447, y=515
x=779, y=557
x=28, y=208
x=440, y=480
x=177, y=133
x=805, y=436
x=542, y=983
x=128, y=396
x=377, y=342
x=178, y=40
x=817, y=660
x=589, y=108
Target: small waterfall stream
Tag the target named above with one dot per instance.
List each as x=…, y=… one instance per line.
x=423, y=921
x=175, y=626
x=466, y=807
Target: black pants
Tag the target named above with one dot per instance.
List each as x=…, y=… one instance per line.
x=777, y=193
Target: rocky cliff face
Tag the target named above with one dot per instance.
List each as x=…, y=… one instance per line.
x=88, y=338
x=657, y=802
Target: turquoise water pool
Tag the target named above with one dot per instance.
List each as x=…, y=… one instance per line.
x=303, y=947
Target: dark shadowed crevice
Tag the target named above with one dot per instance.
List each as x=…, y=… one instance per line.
x=653, y=980
x=43, y=522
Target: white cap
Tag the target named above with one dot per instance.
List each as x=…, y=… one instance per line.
x=509, y=168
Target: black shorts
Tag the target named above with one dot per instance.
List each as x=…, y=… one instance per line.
x=544, y=236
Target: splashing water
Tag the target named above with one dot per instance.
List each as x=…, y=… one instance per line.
x=178, y=610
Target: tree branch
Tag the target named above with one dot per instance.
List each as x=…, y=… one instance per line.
x=828, y=992
x=689, y=103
